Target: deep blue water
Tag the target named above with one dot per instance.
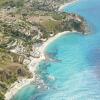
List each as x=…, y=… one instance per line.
x=77, y=71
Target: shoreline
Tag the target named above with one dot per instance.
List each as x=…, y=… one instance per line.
x=61, y=8
x=15, y=87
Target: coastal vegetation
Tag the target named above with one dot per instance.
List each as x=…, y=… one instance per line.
x=24, y=23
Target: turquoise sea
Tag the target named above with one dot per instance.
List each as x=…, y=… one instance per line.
x=76, y=74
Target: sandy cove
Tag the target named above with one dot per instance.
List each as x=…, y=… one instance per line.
x=32, y=68
x=15, y=87
x=67, y=4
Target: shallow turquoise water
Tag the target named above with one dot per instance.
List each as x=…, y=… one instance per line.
x=77, y=74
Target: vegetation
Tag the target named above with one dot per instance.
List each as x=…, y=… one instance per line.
x=1, y=96
x=59, y=16
x=24, y=23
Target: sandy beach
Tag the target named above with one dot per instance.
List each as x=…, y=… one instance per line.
x=15, y=87
x=61, y=8
x=35, y=61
